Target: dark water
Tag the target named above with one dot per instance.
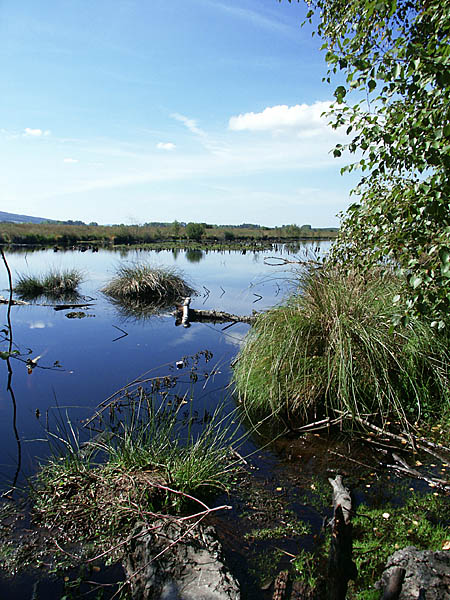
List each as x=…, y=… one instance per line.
x=84, y=361
x=96, y=356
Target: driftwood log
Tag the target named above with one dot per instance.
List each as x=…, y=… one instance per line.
x=341, y=567
x=11, y=301
x=184, y=315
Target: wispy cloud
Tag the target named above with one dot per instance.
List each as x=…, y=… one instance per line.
x=29, y=132
x=71, y=160
x=209, y=143
x=165, y=146
x=255, y=18
x=191, y=124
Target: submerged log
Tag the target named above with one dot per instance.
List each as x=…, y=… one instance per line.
x=4, y=300
x=184, y=315
x=341, y=567
x=72, y=305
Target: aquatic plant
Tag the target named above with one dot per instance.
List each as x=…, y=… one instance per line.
x=141, y=282
x=54, y=284
x=149, y=466
x=331, y=349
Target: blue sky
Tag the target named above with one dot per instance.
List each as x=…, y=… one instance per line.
x=128, y=111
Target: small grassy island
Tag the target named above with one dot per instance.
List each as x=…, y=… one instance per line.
x=56, y=284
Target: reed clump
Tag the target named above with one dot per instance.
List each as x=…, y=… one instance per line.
x=159, y=286
x=149, y=467
x=54, y=284
x=331, y=350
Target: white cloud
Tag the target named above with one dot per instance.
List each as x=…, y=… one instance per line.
x=301, y=118
x=33, y=132
x=29, y=132
x=165, y=146
x=71, y=160
x=191, y=124
x=213, y=146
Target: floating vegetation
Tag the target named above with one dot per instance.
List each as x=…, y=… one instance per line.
x=56, y=285
x=142, y=290
x=151, y=466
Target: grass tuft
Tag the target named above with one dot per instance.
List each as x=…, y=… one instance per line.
x=55, y=284
x=142, y=283
x=331, y=349
x=121, y=477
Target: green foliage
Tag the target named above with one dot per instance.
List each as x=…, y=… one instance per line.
x=394, y=101
x=294, y=527
x=55, y=284
x=176, y=228
x=306, y=568
x=195, y=231
x=37, y=234
x=100, y=491
x=378, y=532
x=331, y=347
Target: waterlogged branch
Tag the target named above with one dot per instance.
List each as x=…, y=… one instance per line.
x=198, y=517
x=278, y=261
x=184, y=315
x=9, y=386
x=341, y=567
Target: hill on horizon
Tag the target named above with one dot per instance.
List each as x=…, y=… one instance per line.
x=15, y=218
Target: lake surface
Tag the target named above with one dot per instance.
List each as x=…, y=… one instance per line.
x=82, y=362
x=97, y=355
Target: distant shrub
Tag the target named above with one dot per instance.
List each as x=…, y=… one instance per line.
x=195, y=231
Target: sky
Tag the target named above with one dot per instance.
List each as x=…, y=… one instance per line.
x=132, y=111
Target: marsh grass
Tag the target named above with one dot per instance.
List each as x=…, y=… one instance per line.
x=54, y=284
x=331, y=349
x=125, y=475
x=139, y=285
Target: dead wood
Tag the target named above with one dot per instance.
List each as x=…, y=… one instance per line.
x=209, y=316
x=12, y=302
x=66, y=306
x=280, y=586
x=394, y=584
x=403, y=467
x=341, y=567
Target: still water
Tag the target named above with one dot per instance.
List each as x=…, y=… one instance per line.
x=83, y=361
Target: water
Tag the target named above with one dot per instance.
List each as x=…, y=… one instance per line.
x=84, y=361
x=99, y=354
